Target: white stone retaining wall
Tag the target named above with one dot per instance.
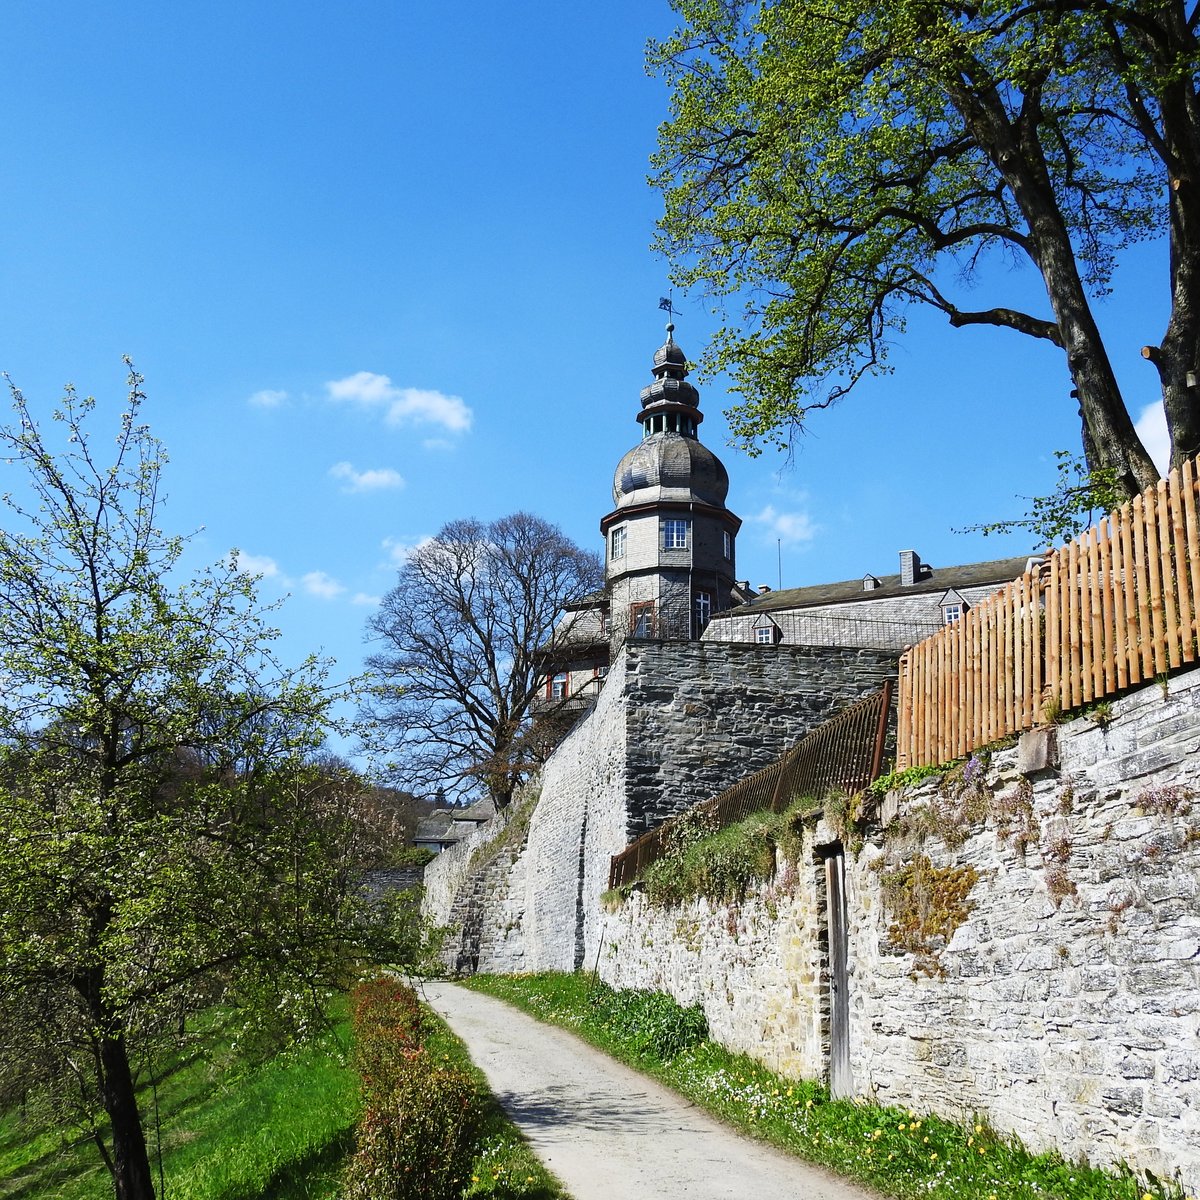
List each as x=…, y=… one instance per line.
x=578, y=825
x=1069, y=1008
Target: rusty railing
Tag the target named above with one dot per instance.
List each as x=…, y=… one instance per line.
x=844, y=753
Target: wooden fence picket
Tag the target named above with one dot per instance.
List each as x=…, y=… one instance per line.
x=1109, y=610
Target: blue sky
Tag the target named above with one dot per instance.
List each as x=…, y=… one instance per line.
x=384, y=265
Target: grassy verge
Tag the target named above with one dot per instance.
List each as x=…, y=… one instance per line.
x=230, y=1130
x=906, y=1154
x=282, y=1128
x=504, y=1167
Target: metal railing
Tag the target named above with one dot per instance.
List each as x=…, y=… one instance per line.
x=844, y=753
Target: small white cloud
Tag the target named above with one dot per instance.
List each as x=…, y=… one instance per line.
x=268, y=398
x=399, y=552
x=374, y=480
x=257, y=564
x=364, y=600
x=401, y=405
x=1151, y=427
x=792, y=528
x=325, y=587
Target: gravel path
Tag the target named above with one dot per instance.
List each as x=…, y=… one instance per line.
x=609, y=1133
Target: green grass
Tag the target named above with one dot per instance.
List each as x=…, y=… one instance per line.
x=279, y=1129
x=504, y=1167
x=231, y=1130
x=905, y=1154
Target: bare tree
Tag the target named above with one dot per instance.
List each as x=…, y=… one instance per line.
x=464, y=637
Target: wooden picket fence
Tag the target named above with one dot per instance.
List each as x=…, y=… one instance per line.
x=1114, y=608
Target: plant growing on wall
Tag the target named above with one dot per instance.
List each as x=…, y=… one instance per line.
x=926, y=905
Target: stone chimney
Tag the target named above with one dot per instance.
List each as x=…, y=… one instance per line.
x=910, y=567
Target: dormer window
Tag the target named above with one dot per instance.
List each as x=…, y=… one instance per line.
x=766, y=632
x=870, y=583
x=953, y=606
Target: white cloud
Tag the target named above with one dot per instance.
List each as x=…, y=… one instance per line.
x=399, y=552
x=325, y=587
x=792, y=528
x=374, y=480
x=268, y=398
x=363, y=600
x=257, y=564
x=1151, y=427
x=401, y=405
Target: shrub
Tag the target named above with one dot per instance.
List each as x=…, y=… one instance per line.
x=652, y=1024
x=415, y=1138
x=721, y=866
x=387, y=1025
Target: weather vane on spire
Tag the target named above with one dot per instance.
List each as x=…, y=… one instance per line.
x=667, y=304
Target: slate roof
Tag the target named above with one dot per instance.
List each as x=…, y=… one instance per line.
x=480, y=811
x=435, y=828
x=850, y=591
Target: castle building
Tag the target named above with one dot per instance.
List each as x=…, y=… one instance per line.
x=670, y=541
x=670, y=565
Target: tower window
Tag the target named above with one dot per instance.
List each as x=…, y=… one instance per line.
x=676, y=533
x=701, y=612
x=618, y=542
x=727, y=544
x=641, y=619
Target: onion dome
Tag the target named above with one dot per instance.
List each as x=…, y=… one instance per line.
x=668, y=466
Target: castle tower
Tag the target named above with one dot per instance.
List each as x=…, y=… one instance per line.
x=669, y=558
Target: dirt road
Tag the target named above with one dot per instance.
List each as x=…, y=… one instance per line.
x=609, y=1133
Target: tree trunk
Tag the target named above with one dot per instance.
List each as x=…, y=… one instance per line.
x=1111, y=440
x=132, y=1177
x=1017, y=154
x=1178, y=361
x=129, y=1160
x=1177, y=356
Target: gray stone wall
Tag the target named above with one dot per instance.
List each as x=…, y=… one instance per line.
x=1065, y=1007
x=675, y=723
x=703, y=715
